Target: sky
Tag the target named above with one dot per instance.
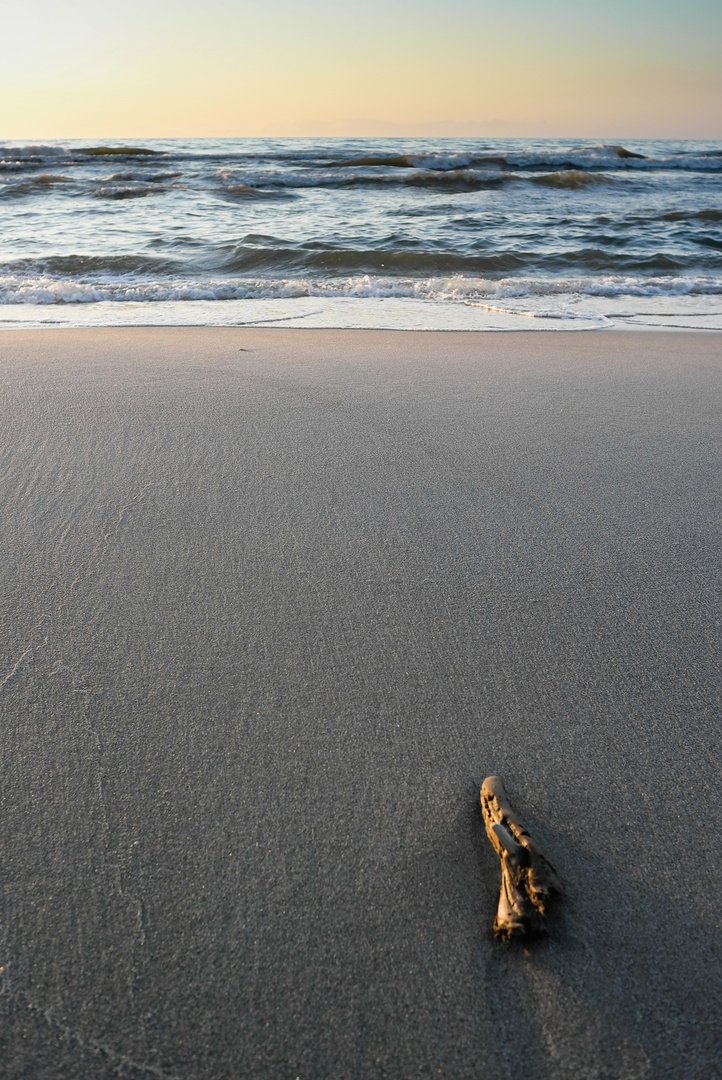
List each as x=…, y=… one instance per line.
x=174, y=68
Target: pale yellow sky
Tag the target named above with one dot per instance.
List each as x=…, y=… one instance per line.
x=73, y=69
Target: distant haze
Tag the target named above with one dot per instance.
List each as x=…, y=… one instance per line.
x=621, y=68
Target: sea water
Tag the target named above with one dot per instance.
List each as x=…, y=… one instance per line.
x=403, y=233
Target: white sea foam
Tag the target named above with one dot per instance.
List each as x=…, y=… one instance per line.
x=46, y=289
x=555, y=314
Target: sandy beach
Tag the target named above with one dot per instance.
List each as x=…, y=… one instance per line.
x=272, y=605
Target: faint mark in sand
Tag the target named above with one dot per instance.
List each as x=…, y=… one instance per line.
x=140, y=918
x=582, y=1043
x=112, y=860
x=109, y=853
x=79, y=686
x=71, y=1037
x=26, y=657
x=19, y=665
x=102, y=546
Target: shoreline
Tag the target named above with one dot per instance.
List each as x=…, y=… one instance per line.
x=366, y=329
x=270, y=325
x=687, y=312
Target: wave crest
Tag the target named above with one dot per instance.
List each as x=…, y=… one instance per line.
x=44, y=288
x=29, y=186
x=573, y=179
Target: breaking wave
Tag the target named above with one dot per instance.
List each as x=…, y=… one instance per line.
x=137, y=191
x=46, y=289
x=30, y=185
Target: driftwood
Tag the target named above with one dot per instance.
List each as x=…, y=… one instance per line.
x=528, y=880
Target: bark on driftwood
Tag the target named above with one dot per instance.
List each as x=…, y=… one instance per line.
x=528, y=880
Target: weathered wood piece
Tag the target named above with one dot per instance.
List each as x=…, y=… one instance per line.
x=528, y=880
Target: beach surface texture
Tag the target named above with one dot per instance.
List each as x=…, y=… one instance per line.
x=273, y=603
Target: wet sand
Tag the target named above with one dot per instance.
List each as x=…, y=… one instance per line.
x=272, y=605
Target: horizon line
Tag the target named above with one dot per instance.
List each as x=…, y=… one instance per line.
x=615, y=137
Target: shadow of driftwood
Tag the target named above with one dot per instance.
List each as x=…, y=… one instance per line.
x=626, y=985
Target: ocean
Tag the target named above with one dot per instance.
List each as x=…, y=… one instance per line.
x=395, y=233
